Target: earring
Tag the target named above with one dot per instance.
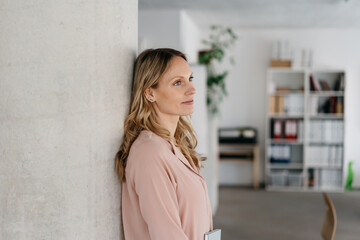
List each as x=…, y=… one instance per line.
x=150, y=99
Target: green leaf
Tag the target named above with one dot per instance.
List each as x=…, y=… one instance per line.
x=220, y=39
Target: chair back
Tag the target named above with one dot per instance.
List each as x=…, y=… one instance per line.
x=329, y=225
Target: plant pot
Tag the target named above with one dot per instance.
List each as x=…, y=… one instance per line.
x=205, y=56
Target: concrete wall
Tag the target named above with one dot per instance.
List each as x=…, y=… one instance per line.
x=65, y=70
x=335, y=48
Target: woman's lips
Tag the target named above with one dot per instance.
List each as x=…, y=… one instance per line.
x=189, y=102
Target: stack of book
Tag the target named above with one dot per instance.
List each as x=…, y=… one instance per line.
x=324, y=156
x=289, y=104
x=325, y=178
x=330, y=178
x=326, y=131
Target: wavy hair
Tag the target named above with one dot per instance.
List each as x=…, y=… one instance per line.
x=150, y=65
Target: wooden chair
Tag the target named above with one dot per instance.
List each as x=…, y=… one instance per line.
x=329, y=225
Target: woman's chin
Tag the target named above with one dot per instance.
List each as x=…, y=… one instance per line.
x=186, y=113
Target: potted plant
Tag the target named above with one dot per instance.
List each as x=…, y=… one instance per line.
x=220, y=39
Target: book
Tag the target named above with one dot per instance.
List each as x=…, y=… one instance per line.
x=272, y=104
x=314, y=84
x=280, y=104
x=293, y=104
x=339, y=105
x=324, y=85
x=333, y=105
x=280, y=153
x=317, y=84
x=277, y=129
x=313, y=105
x=213, y=235
x=311, y=177
x=290, y=129
x=339, y=83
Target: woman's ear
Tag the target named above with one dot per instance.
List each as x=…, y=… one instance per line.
x=149, y=94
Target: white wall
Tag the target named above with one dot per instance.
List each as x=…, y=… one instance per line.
x=189, y=35
x=169, y=28
x=246, y=85
x=65, y=72
x=199, y=117
x=202, y=126
x=159, y=29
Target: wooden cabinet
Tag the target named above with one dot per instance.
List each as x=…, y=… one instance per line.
x=241, y=152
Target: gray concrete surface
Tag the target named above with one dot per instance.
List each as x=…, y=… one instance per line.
x=65, y=70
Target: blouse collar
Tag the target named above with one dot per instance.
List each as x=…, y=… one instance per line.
x=177, y=152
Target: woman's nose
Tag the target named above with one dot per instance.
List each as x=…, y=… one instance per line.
x=191, y=90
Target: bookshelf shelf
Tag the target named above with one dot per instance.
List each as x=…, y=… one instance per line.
x=286, y=166
x=324, y=167
x=285, y=141
x=327, y=93
x=304, y=129
x=286, y=116
x=294, y=93
x=326, y=143
x=327, y=116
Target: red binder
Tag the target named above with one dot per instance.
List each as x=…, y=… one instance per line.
x=277, y=129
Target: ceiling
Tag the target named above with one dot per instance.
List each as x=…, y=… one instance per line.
x=266, y=13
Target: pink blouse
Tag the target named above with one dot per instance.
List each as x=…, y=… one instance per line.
x=164, y=197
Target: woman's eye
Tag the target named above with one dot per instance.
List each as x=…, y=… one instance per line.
x=177, y=83
x=191, y=78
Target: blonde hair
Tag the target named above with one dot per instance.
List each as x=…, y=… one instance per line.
x=149, y=67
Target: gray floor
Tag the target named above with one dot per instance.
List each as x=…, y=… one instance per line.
x=244, y=214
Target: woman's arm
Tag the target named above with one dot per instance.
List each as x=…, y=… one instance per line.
x=156, y=191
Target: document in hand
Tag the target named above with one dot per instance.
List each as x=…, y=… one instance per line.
x=213, y=235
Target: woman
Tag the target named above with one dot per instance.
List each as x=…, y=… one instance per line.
x=164, y=196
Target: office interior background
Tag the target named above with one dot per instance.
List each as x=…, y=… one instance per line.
x=65, y=70
x=325, y=30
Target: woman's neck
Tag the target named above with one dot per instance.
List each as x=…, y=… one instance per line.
x=169, y=122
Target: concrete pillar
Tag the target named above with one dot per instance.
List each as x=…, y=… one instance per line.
x=65, y=71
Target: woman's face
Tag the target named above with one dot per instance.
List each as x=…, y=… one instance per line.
x=174, y=94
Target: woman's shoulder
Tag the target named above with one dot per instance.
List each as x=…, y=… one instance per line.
x=147, y=138
x=148, y=144
x=149, y=158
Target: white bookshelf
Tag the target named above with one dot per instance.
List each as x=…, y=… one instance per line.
x=312, y=159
